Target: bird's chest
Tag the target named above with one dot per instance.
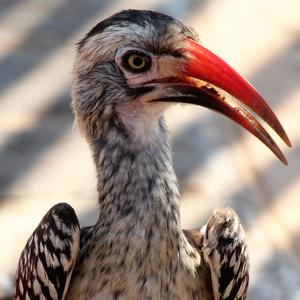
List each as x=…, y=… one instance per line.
x=133, y=269
x=134, y=285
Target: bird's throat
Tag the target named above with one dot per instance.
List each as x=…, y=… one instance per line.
x=137, y=185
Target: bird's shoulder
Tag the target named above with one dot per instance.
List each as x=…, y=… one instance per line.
x=224, y=252
x=47, y=260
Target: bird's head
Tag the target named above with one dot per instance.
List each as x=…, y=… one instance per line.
x=130, y=67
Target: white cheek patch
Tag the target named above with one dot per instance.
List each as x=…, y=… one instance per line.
x=141, y=118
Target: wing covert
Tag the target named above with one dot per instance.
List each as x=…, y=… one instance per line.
x=222, y=245
x=47, y=261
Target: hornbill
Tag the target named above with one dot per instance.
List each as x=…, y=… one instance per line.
x=128, y=70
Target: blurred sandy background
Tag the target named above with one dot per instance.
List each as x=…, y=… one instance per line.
x=43, y=160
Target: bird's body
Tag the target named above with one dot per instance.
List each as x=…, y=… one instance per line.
x=127, y=70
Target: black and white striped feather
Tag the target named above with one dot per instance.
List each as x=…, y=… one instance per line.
x=224, y=249
x=47, y=261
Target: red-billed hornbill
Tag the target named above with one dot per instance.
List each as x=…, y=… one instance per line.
x=129, y=68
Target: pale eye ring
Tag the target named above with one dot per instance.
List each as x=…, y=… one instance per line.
x=136, y=62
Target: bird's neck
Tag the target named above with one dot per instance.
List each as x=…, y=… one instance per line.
x=137, y=185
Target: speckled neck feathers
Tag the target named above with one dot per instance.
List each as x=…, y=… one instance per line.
x=136, y=181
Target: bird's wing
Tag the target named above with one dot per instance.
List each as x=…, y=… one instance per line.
x=46, y=263
x=222, y=245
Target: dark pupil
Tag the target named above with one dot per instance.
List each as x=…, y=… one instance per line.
x=137, y=61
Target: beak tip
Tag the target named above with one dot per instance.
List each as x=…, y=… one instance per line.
x=281, y=132
x=281, y=157
x=286, y=139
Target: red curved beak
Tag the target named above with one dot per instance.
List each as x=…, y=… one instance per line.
x=204, y=65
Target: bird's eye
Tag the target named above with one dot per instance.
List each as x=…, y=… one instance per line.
x=136, y=62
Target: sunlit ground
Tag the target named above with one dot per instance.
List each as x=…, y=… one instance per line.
x=43, y=159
